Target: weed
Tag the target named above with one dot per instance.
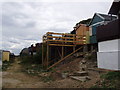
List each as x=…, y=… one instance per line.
x=32, y=69
x=109, y=80
x=6, y=64
x=47, y=79
x=111, y=75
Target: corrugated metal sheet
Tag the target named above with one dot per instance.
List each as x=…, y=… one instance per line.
x=93, y=39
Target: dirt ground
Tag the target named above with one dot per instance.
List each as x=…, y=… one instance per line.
x=15, y=78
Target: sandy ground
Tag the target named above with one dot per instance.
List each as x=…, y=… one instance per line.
x=14, y=78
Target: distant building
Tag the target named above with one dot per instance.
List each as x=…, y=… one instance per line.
x=0, y=57
x=82, y=32
x=32, y=50
x=97, y=20
x=25, y=51
x=108, y=37
x=4, y=55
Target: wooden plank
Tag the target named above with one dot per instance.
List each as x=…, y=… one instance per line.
x=67, y=34
x=62, y=52
x=42, y=54
x=59, y=52
x=83, y=78
x=60, y=37
x=65, y=58
x=66, y=41
x=46, y=40
x=47, y=54
x=60, y=45
x=61, y=33
x=84, y=38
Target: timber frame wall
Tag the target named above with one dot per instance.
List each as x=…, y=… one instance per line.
x=63, y=40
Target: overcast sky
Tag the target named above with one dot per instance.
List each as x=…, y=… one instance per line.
x=24, y=23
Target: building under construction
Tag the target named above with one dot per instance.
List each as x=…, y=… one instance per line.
x=57, y=47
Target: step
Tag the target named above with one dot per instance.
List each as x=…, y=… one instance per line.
x=78, y=78
x=81, y=73
x=78, y=54
x=97, y=70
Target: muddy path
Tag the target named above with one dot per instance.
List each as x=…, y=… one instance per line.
x=15, y=78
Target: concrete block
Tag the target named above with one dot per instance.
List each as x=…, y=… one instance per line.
x=81, y=73
x=109, y=46
x=109, y=60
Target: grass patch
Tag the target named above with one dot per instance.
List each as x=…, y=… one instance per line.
x=36, y=70
x=47, y=79
x=6, y=64
x=111, y=75
x=32, y=69
x=109, y=80
x=0, y=68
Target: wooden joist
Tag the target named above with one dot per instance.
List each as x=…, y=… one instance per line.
x=67, y=41
x=63, y=40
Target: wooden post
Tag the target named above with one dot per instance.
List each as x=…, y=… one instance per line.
x=47, y=55
x=74, y=43
x=42, y=54
x=91, y=47
x=73, y=48
x=62, y=48
x=62, y=52
x=85, y=49
x=47, y=61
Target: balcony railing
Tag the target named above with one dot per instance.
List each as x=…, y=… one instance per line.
x=63, y=39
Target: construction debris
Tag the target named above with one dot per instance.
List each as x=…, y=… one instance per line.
x=83, y=73
x=80, y=78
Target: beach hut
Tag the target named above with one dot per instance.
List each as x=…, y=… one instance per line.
x=108, y=37
x=82, y=32
x=98, y=20
x=5, y=55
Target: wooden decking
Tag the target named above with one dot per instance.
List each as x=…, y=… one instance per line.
x=52, y=40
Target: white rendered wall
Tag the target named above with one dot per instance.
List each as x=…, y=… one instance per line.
x=108, y=46
x=119, y=61
x=109, y=60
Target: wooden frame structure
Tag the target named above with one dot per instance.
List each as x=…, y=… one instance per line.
x=51, y=40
